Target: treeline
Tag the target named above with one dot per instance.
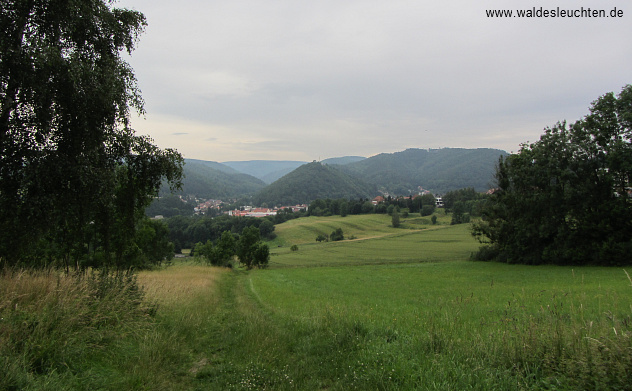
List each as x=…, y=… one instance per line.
x=247, y=246
x=343, y=207
x=464, y=204
x=170, y=205
x=186, y=231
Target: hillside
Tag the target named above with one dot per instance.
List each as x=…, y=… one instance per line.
x=271, y=170
x=437, y=170
x=214, y=180
x=400, y=173
x=311, y=181
x=343, y=160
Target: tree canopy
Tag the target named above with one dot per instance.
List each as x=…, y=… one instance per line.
x=566, y=199
x=74, y=177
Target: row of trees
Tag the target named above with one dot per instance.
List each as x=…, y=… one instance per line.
x=335, y=236
x=186, y=231
x=566, y=199
x=74, y=177
x=464, y=204
x=248, y=247
x=425, y=205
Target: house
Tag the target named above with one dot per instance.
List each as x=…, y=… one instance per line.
x=377, y=200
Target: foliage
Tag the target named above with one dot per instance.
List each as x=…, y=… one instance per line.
x=565, y=198
x=341, y=206
x=395, y=221
x=252, y=252
x=260, y=255
x=266, y=229
x=294, y=248
x=168, y=206
x=427, y=210
x=74, y=178
x=188, y=230
x=337, y=235
x=152, y=239
x=460, y=214
x=219, y=254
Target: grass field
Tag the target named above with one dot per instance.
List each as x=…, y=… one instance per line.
x=394, y=309
x=376, y=241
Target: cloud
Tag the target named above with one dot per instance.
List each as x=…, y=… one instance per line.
x=330, y=78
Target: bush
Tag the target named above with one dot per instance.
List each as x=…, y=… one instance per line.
x=395, y=221
x=485, y=253
x=337, y=235
x=294, y=248
x=427, y=210
x=260, y=255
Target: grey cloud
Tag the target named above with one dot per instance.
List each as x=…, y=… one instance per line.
x=285, y=69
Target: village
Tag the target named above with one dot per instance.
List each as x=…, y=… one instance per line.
x=249, y=211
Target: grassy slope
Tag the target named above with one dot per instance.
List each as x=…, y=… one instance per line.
x=305, y=230
x=377, y=241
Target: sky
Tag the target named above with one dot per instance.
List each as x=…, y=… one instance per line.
x=309, y=80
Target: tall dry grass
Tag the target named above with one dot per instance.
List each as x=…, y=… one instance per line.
x=53, y=324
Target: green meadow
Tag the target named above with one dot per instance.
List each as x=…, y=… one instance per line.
x=391, y=309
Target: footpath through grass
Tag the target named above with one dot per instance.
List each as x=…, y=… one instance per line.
x=427, y=326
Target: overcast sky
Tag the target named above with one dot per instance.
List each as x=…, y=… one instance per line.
x=306, y=80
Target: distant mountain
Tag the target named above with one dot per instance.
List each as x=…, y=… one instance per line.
x=400, y=173
x=266, y=170
x=311, y=181
x=437, y=170
x=207, y=179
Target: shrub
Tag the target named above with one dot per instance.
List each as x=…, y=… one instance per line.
x=337, y=235
x=395, y=221
x=427, y=210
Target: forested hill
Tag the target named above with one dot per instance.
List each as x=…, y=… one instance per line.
x=400, y=173
x=271, y=170
x=311, y=181
x=214, y=180
x=437, y=170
